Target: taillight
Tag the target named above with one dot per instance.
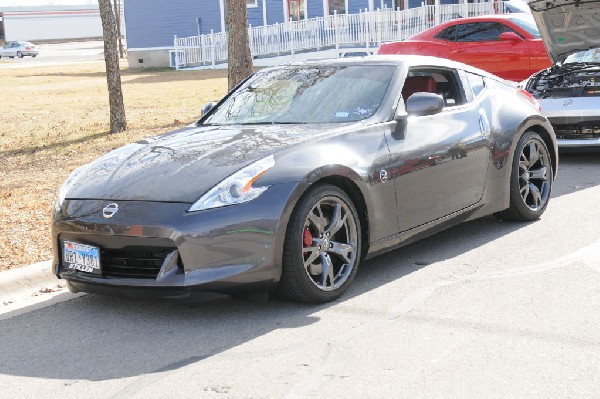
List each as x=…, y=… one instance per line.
x=531, y=98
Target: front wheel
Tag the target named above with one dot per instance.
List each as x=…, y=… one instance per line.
x=322, y=247
x=530, y=181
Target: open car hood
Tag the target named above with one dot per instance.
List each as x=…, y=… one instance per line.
x=567, y=26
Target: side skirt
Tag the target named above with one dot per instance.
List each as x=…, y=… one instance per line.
x=416, y=233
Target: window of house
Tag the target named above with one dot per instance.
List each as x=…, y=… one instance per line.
x=252, y=3
x=337, y=7
x=296, y=10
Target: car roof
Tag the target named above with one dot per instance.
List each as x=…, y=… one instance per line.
x=486, y=18
x=392, y=60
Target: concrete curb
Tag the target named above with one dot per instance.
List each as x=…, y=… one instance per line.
x=26, y=279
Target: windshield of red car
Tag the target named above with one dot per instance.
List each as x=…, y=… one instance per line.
x=527, y=23
x=308, y=94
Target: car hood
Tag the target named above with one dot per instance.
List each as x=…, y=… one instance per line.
x=182, y=165
x=567, y=26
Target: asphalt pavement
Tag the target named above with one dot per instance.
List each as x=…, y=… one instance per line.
x=485, y=309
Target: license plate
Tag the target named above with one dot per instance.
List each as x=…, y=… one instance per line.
x=82, y=257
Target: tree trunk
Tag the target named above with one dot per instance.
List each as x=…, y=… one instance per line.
x=118, y=122
x=117, y=10
x=238, y=45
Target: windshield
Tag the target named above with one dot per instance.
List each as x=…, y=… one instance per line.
x=309, y=94
x=527, y=23
x=587, y=56
x=516, y=6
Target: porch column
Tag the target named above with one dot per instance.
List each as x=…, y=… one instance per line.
x=222, y=9
x=286, y=11
x=264, y=2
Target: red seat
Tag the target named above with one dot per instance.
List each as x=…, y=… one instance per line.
x=415, y=84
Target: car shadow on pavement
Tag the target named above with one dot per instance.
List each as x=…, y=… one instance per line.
x=99, y=338
x=570, y=178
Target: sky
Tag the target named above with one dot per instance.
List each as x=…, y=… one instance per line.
x=19, y=3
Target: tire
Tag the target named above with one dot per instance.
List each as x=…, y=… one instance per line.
x=530, y=181
x=19, y=54
x=322, y=247
x=33, y=55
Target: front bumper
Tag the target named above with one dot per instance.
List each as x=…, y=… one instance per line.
x=155, y=249
x=576, y=120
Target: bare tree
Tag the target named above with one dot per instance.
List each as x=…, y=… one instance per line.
x=118, y=123
x=238, y=52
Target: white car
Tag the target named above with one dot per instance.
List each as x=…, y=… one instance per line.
x=19, y=50
x=569, y=91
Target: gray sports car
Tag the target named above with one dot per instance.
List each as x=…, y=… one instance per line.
x=301, y=172
x=569, y=91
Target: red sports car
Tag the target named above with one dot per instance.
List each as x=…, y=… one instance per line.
x=506, y=45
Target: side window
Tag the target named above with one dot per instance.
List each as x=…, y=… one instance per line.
x=473, y=84
x=444, y=82
x=476, y=82
x=448, y=34
x=481, y=32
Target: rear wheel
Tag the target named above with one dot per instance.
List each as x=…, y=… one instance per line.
x=530, y=181
x=19, y=54
x=322, y=247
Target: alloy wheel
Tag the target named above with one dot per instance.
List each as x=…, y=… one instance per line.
x=534, y=168
x=329, y=241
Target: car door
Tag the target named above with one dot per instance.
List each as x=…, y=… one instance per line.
x=8, y=50
x=479, y=44
x=439, y=162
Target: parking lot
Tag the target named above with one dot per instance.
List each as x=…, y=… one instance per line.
x=58, y=54
x=486, y=309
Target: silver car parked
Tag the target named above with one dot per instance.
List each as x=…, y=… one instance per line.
x=19, y=50
x=569, y=91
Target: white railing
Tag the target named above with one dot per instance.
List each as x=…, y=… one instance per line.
x=367, y=29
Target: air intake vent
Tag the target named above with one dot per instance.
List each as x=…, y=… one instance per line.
x=133, y=262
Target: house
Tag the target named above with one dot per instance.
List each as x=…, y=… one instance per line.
x=153, y=24
x=50, y=22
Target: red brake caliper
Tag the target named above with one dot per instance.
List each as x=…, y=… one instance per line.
x=307, y=238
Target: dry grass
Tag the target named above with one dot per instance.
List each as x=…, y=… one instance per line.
x=55, y=119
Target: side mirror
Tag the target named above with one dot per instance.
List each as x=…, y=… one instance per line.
x=207, y=107
x=424, y=104
x=510, y=37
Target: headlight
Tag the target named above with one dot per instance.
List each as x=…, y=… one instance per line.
x=237, y=188
x=64, y=189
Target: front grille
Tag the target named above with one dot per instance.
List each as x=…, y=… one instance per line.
x=577, y=131
x=135, y=262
